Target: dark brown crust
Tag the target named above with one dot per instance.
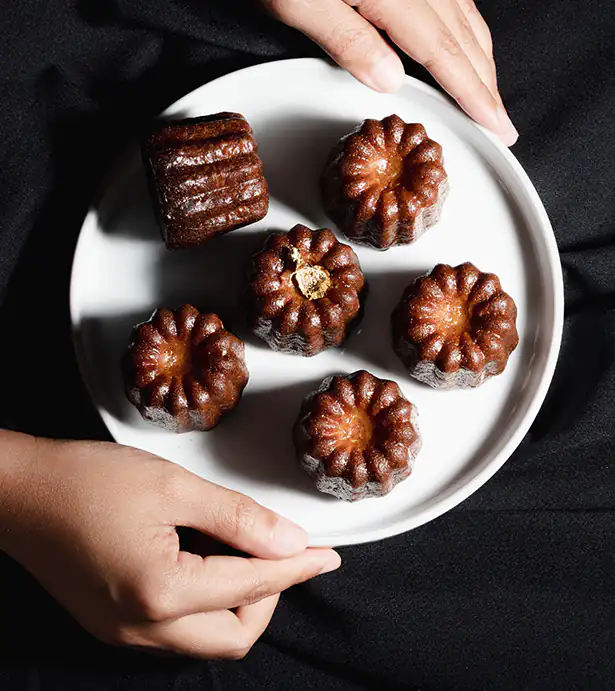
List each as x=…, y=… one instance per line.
x=455, y=327
x=384, y=183
x=283, y=317
x=205, y=177
x=184, y=370
x=346, y=460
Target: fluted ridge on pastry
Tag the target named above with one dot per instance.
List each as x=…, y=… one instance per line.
x=206, y=177
x=385, y=183
x=357, y=436
x=184, y=370
x=283, y=317
x=455, y=327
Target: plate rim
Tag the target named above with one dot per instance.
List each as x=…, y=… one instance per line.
x=555, y=288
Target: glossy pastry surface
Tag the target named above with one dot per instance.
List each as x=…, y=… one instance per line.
x=455, y=327
x=385, y=183
x=184, y=370
x=305, y=291
x=206, y=177
x=357, y=436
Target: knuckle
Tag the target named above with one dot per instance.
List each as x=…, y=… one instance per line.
x=244, y=516
x=475, y=18
x=345, y=42
x=154, y=599
x=469, y=7
x=240, y=648
x=170, y=481
x=447, y=44
x=450, y=61
x=374, y=10
x=469, y=37
x=239, y=517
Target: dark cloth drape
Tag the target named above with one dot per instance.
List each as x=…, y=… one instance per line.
x=512, y=590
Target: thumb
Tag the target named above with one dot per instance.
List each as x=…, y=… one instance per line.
x=237, y=520
x=348, y=38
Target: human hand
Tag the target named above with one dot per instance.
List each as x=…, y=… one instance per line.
x=448, y=37
x=95, y=523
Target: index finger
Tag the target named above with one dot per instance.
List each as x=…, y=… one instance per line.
x=237, y=520
x=418, y=30
x=220, y=582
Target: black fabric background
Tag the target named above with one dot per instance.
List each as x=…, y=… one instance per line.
x=514, y=589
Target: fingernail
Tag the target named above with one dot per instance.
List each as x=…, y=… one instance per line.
x=506, y=131
x=333, y=561
x=387, y=75
x=289, y=537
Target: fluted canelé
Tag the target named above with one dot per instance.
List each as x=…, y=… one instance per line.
x=357, y=436
x=206, y=177
x=305, y=291
x=455, y=327
x=384, y=183
x=184, y=370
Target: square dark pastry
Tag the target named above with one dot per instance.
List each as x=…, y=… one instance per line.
x=206, y=177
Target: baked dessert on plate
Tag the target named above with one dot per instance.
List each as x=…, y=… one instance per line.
x=357, y=436
x=384, y=183
x=305, y=291
x=455, y=327
x=205, y=177
x=184, y=370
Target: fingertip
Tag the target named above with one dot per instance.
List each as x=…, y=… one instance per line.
x=510, y=138
x=506, y=131
x=387, y=75
x=288, y=538
x=332, y=562
x=490, y=113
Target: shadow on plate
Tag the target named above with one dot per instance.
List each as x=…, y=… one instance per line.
x=294, y=149
x=255, y=441
x=104, y=339
x=372, y=340
x=127, y=208
x=211, y=277
x=506, y=422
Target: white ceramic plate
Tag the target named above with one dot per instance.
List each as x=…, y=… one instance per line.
x=493, y=217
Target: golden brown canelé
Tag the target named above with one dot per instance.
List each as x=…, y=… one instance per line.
x=455, y=327
x=384, y=183
x=206, y=177
x=305, y=291
x=184, y=370
x=357, y=436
